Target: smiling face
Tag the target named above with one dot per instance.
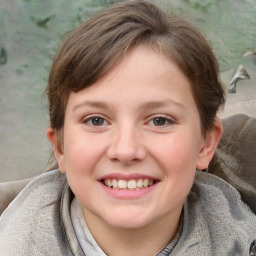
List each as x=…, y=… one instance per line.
x=133, y=141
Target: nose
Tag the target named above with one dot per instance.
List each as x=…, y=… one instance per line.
x=126, y=146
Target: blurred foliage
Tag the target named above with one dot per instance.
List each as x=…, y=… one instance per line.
x=30, y=35
x=104, y=2
x=200, y=5
x=229, y=25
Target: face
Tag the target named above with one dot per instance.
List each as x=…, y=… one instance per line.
x=133, y=141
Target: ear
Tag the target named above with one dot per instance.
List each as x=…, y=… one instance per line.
x=210, y=143
x=55, y=140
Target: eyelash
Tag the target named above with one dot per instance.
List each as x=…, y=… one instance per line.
x=167, y=121
x=89, y=121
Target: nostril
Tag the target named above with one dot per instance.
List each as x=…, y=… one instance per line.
x=126, y=156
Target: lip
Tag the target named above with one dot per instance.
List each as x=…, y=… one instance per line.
x=127, y=194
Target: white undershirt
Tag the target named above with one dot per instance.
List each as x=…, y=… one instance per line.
x=84, y=236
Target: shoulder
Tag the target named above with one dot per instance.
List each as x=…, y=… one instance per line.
x=9, y=190
x=45, y=187
x=217, y=217
x=32, y=220
x=235, y=160
x=219, y=197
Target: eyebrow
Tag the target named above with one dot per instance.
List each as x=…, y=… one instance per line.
x=146, y=105
x=94, y=104
x=164, y=103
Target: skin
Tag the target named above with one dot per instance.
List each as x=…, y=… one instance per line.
x=128, y=125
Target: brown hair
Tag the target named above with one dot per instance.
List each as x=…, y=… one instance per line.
x=96, y=45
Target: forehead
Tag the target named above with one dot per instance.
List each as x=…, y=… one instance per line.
x=142, y=75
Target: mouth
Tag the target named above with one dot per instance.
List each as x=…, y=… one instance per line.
x=132, y=184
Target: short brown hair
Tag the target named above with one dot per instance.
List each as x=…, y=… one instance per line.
x=93, y=48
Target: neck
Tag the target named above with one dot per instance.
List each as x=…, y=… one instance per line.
x=145, y=241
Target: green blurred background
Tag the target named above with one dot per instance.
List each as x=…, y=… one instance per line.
x=31, y=32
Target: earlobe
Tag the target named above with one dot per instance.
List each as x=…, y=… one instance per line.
x=56, y=144
x=210, y=144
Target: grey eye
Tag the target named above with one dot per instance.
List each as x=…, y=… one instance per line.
x=97, y=121
x=159, y=121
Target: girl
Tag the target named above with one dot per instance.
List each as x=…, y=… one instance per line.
x=133, y=97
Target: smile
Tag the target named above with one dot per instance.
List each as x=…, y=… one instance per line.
x=132, y=184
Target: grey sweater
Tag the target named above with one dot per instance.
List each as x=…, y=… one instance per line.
x=215, y=221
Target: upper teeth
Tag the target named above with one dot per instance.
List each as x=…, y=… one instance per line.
x=130, y=184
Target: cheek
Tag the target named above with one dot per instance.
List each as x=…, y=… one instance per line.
x=179, y=165
x=177, y=150
x=82, y=153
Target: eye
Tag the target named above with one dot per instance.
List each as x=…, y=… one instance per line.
x=160, y=121
x=95, y=121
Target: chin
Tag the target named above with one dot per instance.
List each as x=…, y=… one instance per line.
x=128, y=224
x=128, y=221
